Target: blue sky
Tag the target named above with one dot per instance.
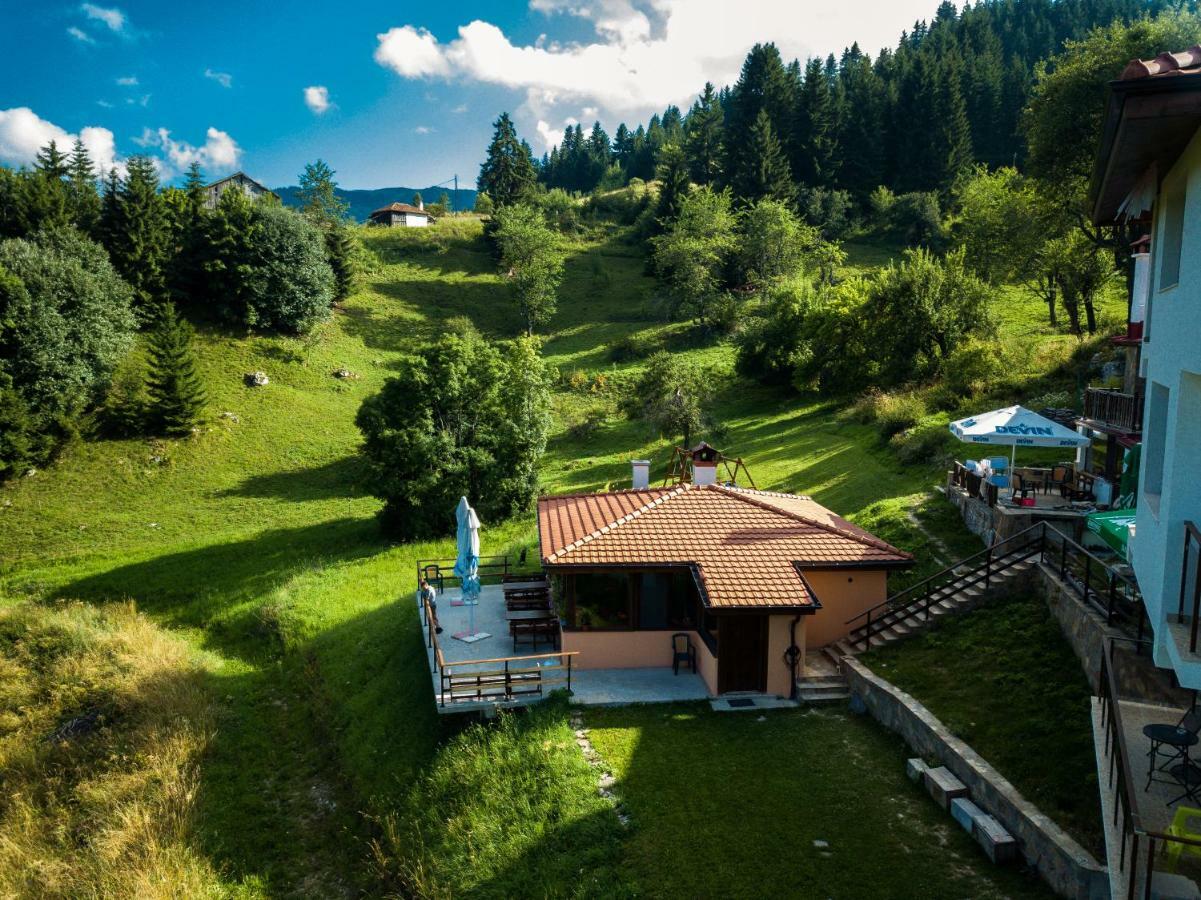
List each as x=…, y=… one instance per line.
x=388, y=93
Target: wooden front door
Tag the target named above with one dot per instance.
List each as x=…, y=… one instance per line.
x=742, y=654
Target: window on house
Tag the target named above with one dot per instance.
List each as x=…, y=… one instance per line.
x=1154, y=439
x=1171, y=238
x=666, y=600
x=602, y=600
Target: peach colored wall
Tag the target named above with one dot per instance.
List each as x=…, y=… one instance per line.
x=635, y=650
x=843, y=593
x=779, y=673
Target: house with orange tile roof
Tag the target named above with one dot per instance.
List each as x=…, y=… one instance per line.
x=753, y=578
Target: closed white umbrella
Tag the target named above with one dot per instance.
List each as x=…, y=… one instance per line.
x=1015, y=426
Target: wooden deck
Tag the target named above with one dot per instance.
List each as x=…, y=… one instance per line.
x=486, y=673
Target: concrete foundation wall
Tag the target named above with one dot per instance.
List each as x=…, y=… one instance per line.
x=1068, y=868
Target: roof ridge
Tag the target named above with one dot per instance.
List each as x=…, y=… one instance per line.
x=867, y=541
x=621, y=520
x=575, y=494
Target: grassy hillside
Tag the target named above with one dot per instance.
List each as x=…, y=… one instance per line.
x=252, y=541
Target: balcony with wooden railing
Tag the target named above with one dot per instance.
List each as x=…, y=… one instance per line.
x=1114, y=409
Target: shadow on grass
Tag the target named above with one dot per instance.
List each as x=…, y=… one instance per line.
x=339, y=478
x=219, y=587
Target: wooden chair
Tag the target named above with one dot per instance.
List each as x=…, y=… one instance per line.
x=533, y=631
x=1061, y=479
x=682, y=651
x=1021, y=489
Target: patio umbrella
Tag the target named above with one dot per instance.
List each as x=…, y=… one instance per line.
x=1113, y=527
x=467, y=560
x=1015, y=426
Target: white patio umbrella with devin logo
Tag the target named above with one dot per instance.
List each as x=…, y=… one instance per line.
x=1015, y=426
x=467, y=565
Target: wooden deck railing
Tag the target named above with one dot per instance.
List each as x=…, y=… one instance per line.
x=441, y=571
x=1124, y=411
x=500, y=678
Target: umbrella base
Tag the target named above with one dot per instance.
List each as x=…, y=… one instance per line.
x=468, y=637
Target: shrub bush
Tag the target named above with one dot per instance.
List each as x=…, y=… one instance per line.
x=972, y=368
x=930, y=445
x=466, y=418
x=633, y=347
x=65, y=322
x=894, y=413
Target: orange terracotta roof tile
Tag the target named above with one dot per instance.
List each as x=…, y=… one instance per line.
x=746, y=546
x=1186, y=62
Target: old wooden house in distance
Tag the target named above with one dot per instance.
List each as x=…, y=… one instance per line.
x=401, y=215
x=239, y=180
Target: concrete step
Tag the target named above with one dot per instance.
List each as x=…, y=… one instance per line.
x=819, y=681
x=831, y=694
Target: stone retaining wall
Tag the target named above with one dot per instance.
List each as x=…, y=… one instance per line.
x=1068, y=868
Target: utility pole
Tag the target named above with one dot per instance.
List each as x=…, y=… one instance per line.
x=455, y=202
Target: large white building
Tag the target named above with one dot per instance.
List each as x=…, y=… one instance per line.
x=1149, y=171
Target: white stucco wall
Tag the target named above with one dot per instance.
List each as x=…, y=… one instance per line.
x=1173, y=362
x=415, y=221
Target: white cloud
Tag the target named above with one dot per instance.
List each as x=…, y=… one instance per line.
x=110, y=16
x=423, y=129
x=316, y=98
x=128, y=81
x=143, y=100
x=219, y=153
x=80, y=35
x=412, y=52
x=222, y=78
x=461, y=108
x=647, y=53
x=23, y=132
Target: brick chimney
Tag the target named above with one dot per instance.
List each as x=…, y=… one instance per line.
x=642, y=473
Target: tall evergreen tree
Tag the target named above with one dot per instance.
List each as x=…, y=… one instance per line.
x=764, y=172
x=51, y=161
x=673, y=182
x=176, y=393
x=507, y=174
x=703, y=143
x=954, y=135
x=815, y=157
x=319, y=200
x=138, y=235
x=339, y=251
x=81, y=188
x=763, y=86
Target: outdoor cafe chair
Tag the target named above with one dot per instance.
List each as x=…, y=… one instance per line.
x=1173, y=743
x=682, y=651
x=1021, y=490
x=998, y=463
x=1186, y=823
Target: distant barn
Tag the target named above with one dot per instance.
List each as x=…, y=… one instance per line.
x=401, y=215
x=240, y=180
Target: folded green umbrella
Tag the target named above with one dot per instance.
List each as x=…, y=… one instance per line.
x=1112, y=527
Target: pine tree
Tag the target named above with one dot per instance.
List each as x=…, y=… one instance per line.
x=507, y=175
x=418, y=200
x=339, y=251
x=703, y=145
x=763, y=86
x=815, y=160
x=81, y=188
x=673, y=183
x=138, y=235
x=954, y=134
x=176, y=393
x=319, y=200
x=51, y=162
x=765, y=170
x=185, y=275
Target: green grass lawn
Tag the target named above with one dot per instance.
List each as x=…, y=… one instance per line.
x=734, y=805
x=253, y=541
x=1004, y=679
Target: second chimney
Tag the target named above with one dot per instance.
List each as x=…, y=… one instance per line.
x=642, y=473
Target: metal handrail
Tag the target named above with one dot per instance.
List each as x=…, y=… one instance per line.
x=505, y=659
x=497, y=564
x=986, y=553
x=1119, y=768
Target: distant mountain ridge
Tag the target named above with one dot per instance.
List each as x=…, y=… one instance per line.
x=364, y=202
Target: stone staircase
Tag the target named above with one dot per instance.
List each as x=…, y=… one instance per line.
x=822, y=681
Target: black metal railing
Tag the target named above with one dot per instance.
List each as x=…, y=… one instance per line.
x=1135, y=835
x=1190, y=581
x=441, y=571
x=1112, y=594
x=1114, y=408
